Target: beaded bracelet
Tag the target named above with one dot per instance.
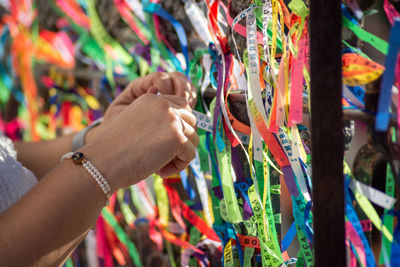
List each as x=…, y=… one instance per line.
x=79, y=158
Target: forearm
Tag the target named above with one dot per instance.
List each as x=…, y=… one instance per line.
x=56, y=213
x=41, y=157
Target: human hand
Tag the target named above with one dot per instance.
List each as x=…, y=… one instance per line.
x=152, y=134
x=174, y=83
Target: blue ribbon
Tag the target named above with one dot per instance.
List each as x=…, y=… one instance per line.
x=353, y=219
x=159, y=11
x=186, y=184
x=383, y=114
x=288, y=238
x=103, y=88
x=299, y=220
x=5, y=76
x=307, y=213
x=347, y=14
x=395, y=255
x=358, y=92
x=242, y=187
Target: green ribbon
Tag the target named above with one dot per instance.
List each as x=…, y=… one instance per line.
x=122, y=236
x=126, y=210
x=170, y=254
x=300, y=259
x=270, y=252
x=69, y=263
x=224, y=163
x=195, y=236
x=387, y=220
x=248, y=254
x=172, y=63
x=196, y=76
x=380, y=45
x=306, y=252
x=103, y=39
x=161, y=198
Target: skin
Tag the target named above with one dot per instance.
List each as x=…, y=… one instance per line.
x=41, y=157
x=142, y=133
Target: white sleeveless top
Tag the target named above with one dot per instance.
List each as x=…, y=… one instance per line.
x=15, y=179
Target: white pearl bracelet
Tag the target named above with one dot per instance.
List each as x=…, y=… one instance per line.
x=79, y=158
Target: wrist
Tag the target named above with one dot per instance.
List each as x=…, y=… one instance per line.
x=79, y=158
x=82, y=180
x=92, y=133
x=101, y=160
x=81, y=137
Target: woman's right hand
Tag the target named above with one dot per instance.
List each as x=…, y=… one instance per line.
x=153, y=134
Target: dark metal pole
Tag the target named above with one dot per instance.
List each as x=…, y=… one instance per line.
x=326, y=133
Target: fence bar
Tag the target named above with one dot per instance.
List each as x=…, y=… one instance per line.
x=326, y=133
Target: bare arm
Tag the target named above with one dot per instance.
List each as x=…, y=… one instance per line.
x=43, y=227
x=41, y=157
x=134, y=140
x=152, y=134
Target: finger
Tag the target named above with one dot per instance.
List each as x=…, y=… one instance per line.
x=141, y=86
x=180, y=162
x=185, y=109
x=187, y=152
x=173, y=167
x=163, y=82
x=183, y=87
x=187, y=116
x=180, y=83
x=175, y=83
x=155, y=79
x=176, y=101
x=187, y=122
x=193, y=98
x=190, y=133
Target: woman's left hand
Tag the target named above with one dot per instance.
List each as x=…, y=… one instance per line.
x=174, y=83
